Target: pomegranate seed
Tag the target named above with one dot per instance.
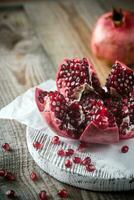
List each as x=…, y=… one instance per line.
x=86, y=161
x=61, y=153
x=55, y=140
x=63, y=193
x=2, y=173
x=43, y=195
x=77, y=160
x=33, y=176
x=124, y=149
x=68, y=163
x=82, y=146
x=9, y=176
x=90, y=168
x=69, y=152
x=6, y=147
x=37, y=145
x=10, y=193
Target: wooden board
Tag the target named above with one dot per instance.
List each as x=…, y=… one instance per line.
x=34, y=38
x=114, y=170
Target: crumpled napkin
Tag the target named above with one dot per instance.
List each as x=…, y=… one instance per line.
x=24, y=109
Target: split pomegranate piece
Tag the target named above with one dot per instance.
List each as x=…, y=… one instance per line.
x=63, y=118
x=100, y=124
x=74, y=75
x=121, y=79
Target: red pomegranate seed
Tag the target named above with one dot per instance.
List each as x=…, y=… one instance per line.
x=82, y=146
x=2, y=173
x=55, y=140
x=68, y=163
x=6, y=147
x=69, y=152
x=33, y=176
x=37, y=145
x=90, y=168
x=61, y=152
x=10, y=193
x=77, y=160
x=63, y=193
x=9, y=176
x=124, y=149
x=86, y=161
x=43, y=195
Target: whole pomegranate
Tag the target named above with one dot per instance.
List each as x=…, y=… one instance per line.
x=113, y=37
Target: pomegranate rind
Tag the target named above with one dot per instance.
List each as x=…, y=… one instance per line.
x=93, y=134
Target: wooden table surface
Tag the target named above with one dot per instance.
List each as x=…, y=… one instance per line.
x=34, y=38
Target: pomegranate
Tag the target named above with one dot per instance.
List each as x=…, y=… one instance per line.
x=113, y=37
x=88, y=111
x=74, y=75
x=121, y=79
x=65, y=119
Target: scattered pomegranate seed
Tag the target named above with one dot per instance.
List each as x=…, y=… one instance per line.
x=43, y=195
x=2, y=173
x=10, y=193
x=68, y=163
x=82, y=146
x=6, y=147
x=77, y=160
x=63, y=193
x=124, y=149
x=69, y=152
x=37, y=145
x=61, y=152
x=90, y=168
x=55, y=140
x=34, y=176
x=86, y=161
x=9, y=176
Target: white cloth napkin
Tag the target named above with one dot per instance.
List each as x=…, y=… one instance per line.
x=24, y=109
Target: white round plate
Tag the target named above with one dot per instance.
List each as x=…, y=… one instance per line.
x=114, y=170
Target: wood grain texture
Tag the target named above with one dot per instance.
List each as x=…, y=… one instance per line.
x=34, y=38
